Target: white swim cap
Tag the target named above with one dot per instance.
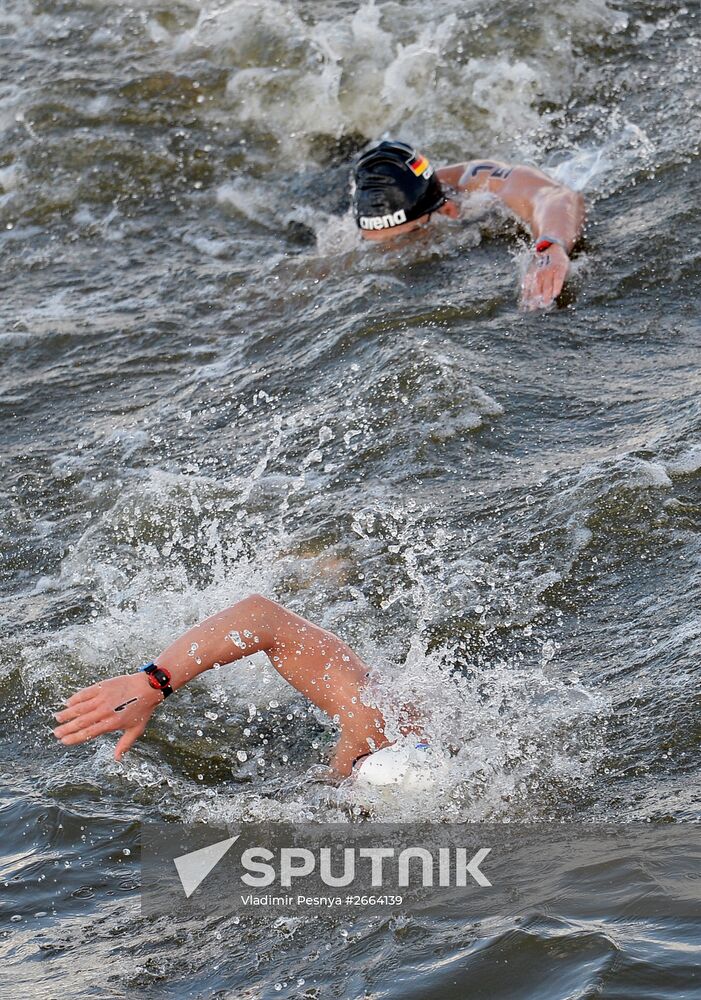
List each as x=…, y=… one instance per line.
x=403, y=766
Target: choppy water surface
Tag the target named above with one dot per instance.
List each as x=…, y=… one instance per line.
x=209, y=387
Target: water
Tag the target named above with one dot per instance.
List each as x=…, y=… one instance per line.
x=209, y=387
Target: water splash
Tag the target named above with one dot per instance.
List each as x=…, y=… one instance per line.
x=163, y=557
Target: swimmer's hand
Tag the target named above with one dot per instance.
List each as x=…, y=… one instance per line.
x=125, y=702
x=544, y=278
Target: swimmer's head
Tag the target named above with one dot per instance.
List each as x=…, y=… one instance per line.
x=405, y=766
x=395, y=190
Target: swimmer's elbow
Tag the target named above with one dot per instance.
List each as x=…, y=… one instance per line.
x=261, y=604
x=263, y=616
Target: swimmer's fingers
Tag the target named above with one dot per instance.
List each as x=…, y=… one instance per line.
x=531, y=288
x=538, y=291
x=554, y=276
x=125, y=702
x=77, y=709
x=128, y=740
x=90, y=732
x=542, y=283
x=82, y=721
x=85, y=694
x=544, y=279
x=557, y=279
x=547, y=293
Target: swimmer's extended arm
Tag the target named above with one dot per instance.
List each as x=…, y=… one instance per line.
x=314, y=661
x=548, y=209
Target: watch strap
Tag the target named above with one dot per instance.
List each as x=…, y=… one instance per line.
x=544, y=242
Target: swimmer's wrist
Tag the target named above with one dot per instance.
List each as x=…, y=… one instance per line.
x=158, y=678
x=179, y=673
x=151, y=696
x=545, y=242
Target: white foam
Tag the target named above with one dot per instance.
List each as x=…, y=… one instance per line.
x=249, y=200
x=9, y=178
x=438, y=77
x=506, y=722
x=627, y=148
x=176, y=547
x=210, y=247
x=686, y=463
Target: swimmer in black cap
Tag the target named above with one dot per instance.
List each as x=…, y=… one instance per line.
x=396, y=191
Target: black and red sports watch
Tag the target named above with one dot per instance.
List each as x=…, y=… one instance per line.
x=158, y=678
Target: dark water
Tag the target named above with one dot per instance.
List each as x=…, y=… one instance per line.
x=208, y=388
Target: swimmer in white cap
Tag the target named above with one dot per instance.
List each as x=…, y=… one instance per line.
x=315, y=662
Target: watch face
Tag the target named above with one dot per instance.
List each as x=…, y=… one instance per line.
x=158, y=678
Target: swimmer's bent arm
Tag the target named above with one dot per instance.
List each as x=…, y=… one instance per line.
x=546, y=207
x=314, y=661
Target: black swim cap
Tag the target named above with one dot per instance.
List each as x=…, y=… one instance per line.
x=394, y=183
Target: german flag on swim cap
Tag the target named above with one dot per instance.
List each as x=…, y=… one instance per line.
x=419, y=164
x=394, y=183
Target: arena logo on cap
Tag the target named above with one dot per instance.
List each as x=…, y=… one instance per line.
x=382, y=221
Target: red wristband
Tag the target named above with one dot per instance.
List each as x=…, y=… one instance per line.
x=545, y=242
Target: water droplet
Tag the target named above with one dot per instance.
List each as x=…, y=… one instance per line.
x=548, y=651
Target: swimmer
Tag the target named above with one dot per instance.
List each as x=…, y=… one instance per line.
x=315, y=662
x=396, y=191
